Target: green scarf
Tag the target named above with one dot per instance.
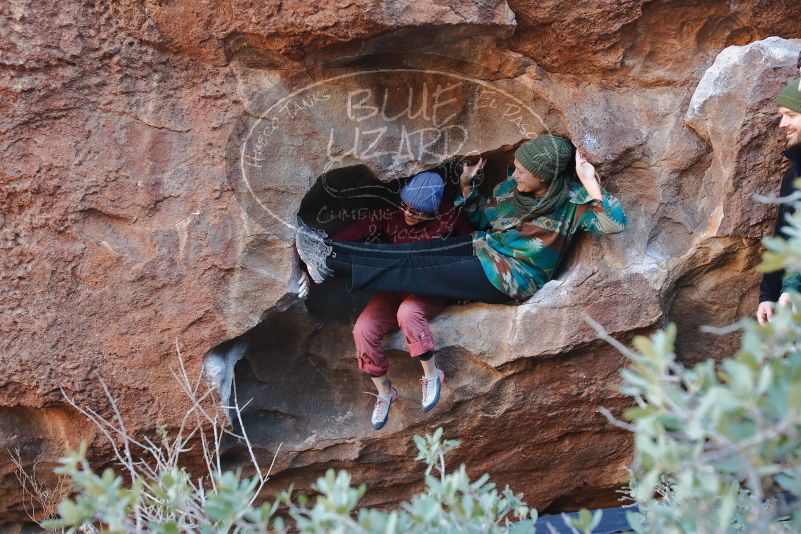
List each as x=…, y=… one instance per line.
x=528, y=207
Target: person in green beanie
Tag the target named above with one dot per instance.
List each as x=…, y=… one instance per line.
x=778, y=285
x=524, y=230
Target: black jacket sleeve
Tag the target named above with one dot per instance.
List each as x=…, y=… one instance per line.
x=771, y=285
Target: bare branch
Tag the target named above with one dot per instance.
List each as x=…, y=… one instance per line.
x=606, y=337
x=615, y=421
x=796, y=195
x=244, y=432
x=721, y=331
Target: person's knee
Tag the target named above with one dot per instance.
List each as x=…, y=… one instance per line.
x=364, y=330
x=410, y=313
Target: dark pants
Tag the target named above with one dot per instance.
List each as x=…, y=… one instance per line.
x=444, y=268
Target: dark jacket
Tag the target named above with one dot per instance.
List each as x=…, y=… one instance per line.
x=771, y=285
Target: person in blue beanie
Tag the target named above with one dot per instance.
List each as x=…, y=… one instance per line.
x=421, y=215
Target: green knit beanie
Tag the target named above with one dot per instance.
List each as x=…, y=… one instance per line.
x=545, y=156
x=790, y=97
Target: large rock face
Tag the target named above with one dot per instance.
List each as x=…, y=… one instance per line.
x=154, y=156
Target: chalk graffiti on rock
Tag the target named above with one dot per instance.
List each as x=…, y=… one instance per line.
x=394, y=121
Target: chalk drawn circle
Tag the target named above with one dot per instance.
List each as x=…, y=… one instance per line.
x=270, y=119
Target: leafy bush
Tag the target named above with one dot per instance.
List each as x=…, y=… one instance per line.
x=720, y=444
x=168, y=503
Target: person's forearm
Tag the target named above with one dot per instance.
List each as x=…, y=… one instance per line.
x=467, y=176
x=473, y=204
x=593, y=188
x=604, y=216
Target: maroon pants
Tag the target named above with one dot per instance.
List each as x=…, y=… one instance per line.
x=385, y=313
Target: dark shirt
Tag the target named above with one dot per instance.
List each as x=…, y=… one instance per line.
x=771, y=285
x=388, y=226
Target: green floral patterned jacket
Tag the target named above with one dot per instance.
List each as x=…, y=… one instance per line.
x=520, y=258
x=791, y=282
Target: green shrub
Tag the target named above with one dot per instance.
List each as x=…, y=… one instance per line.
x=720, y=443
x=168, y=502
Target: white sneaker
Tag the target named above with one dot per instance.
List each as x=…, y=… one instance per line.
x=431, y=389
x=381, y=410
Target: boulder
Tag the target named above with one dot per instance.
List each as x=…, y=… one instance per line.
x=154, y=156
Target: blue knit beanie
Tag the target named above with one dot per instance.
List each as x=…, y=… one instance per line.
x=423, y=191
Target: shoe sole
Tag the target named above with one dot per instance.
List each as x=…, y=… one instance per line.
x=439, y=390
x=304, y=237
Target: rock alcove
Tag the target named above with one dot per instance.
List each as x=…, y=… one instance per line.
x=307, y=347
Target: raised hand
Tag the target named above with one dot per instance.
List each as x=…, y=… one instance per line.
x=589, y=178
x=765, y=312
x=785, y=299
x=469, y=171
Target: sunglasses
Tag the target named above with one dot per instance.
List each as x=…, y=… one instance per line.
x=414, y=212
